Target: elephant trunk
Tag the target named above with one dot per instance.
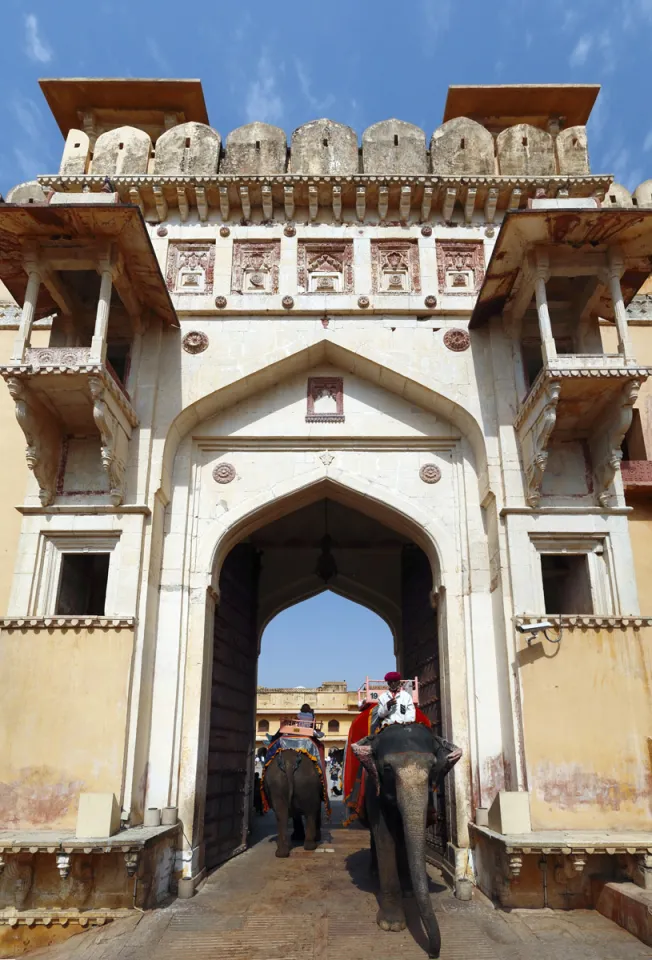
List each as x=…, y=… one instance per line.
x=412, y=798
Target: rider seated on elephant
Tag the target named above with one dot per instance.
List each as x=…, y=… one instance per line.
x=306, y=715
x=394, y=706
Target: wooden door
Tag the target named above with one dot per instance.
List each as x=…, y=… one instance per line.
x=233, y=706
x=421, y=656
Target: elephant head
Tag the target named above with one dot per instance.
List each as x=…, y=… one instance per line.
x=404, y=762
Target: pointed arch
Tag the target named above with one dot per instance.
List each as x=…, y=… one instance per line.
x=437, y=401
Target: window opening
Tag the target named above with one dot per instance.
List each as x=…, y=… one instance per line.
x=117, y=359
x=187, y=142
x=462, y=144
x=263, y=726
x=333, y=726
x=525, y=141
x=396, y=140
x=121, y=146
x=77, y=146
x=82, y=584
x=566, y=583
x=257, y=144
x=325, y=142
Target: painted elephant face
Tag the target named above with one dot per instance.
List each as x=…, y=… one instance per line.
x=400, y=744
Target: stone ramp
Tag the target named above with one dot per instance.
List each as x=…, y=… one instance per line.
x=322, y=906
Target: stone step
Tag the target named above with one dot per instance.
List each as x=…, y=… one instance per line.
x=629, y=906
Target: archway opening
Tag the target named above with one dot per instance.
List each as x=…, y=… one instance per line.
x=319, y=652
x=323, y=545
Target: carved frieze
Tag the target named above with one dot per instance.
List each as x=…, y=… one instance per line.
x=325, y=400
x=325, y=267
x=460, y=267
x=190, y=268
x=395, y=266
x=255, y=266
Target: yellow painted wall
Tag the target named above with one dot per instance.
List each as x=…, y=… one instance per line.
x=63, y=721
x=14, y=480
x=587, y=714
x=641, y=338
x=640, y=532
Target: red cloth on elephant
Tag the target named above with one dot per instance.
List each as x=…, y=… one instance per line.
x=354, y=774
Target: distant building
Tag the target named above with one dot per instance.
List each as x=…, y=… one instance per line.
x=333, y=704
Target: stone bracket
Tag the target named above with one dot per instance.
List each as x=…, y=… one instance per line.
x=114, y=438
x=534, y=426
x=43, y=436
x=605, y=442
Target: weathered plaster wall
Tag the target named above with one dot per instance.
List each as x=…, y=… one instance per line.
x=13, y=481
x=72, y=738
x=640, y=532
x=587, y=713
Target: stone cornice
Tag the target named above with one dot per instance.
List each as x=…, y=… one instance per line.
x=385, y=199
x=569, y=842
x=67, y=623
x=585, y=621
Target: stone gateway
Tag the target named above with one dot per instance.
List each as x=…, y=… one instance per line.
x=410, y=369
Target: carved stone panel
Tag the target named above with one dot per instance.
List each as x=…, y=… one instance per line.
x=325, y=400
x=325, y=267
x=190, y=268
x=460, y=267
x=255, y=266
x=395, y=266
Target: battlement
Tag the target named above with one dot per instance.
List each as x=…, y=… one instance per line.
x=133, y=127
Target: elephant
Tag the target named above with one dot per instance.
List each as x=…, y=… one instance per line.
x=403, y=762
x=294, y=789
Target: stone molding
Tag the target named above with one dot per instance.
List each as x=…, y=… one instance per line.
x=67, y=623
x=278, y=196
x=585, y=621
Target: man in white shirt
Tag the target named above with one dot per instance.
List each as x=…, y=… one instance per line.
x=395, y=705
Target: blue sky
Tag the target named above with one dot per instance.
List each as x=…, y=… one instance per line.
x=357, y=61
x=344, y=641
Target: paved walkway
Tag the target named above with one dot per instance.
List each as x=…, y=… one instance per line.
x=322, y=906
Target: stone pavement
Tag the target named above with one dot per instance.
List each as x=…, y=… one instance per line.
x=322, y=906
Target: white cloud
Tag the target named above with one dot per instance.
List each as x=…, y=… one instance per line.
x=28, y=117
x=319, y=106
x=37, y=48
x=263, y=101
x=582, y=49
x=157, y=56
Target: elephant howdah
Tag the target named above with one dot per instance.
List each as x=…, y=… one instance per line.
x=294, y=785
x=402, y=764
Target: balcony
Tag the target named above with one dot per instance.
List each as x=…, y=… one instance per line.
x=556, y=270
x=91, y=265
x=59, y=392
x=578, y=396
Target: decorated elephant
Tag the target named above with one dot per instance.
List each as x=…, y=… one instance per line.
x=294, y=787
x=403, y=762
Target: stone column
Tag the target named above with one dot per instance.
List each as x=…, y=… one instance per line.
x=27, y=317
x=614, y=273
x=541, y=275
x=98, y=343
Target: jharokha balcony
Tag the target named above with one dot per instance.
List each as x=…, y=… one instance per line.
x=556, y=270
x=90, y=265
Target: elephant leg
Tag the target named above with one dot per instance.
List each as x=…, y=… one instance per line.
x=311, y=841
x=282, y=840
x=298, y=833
x=391, y=915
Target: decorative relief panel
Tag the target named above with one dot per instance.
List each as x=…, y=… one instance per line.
x=255, y=266
x=395, y=266
x=325, y=400
x=460, y=266
x=190, y=267
x=325, y=267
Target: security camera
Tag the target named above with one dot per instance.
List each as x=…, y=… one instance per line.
x=534, y=627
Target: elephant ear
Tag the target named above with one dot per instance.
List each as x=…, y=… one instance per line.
x=365, y=755
x=446, y=754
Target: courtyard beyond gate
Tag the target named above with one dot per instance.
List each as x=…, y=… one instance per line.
x=322, y=906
